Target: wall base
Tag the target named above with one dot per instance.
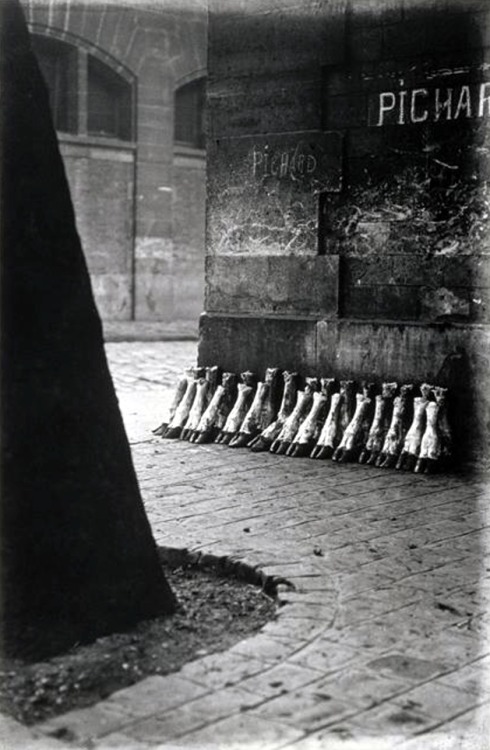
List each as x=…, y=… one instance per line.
x=452, y=355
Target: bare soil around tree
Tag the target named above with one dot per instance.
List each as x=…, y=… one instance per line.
x=214, y=612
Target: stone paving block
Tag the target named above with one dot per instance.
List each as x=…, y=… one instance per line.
x=361, y=687
x=469, y=731
x=409, y=666
x=191, y=716
x=364, y=608
x=307, y=611
x=469, y=679
x=437, y=700
x=218, y=670
x=279, y=679
x=324, y=656
x=262, y=646
x=360, y=582
x=154, y=694
x=15, y=735
x=390, y=720
x=302, y=629
x=237, y=733
x=152, y=731
x=455, y=648
x=307, y=710
x=87, y=723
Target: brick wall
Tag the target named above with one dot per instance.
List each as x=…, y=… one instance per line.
x=155, y=46
x=354, y=136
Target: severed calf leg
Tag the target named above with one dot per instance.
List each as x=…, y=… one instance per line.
x=436, y=441
x=261, y=412
x=292, y=423
x=249, y=428
x=178, y=396
x=381, y=422
x=182, y=412
x=413, y=439
x=304, y=439
x=400, y=422
x=328, y=387
x=214, y=418
x=245, y=395
x=341, y=412
x=358, y=428
x=213, y=379
x=264, y=441
x=198, y=405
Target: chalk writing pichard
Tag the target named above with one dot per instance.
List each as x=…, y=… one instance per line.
x=290, y=163
x=417, y=105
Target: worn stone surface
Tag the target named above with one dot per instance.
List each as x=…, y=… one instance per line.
x=281, y=285
x=263, y=191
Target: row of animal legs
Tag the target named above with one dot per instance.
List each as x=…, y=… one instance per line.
x=386, y=425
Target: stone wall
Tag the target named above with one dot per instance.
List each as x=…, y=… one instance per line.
x=347, y=191
x=129, y=224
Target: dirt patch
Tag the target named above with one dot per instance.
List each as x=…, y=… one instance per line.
x=214, y=612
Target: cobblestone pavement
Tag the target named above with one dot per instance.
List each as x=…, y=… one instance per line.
x=382, y=643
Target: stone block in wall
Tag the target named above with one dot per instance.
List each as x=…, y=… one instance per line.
x=281, y=38
x=380, y=302
x=255, y=343
x=242, y=106
x=239, y=284
x=263, y=191
x=417, y=287
x=416, y=270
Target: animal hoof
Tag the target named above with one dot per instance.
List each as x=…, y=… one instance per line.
x=301, y=450
x=364, y=457
x=283, y=448
x=259, y=445
x=161, y=430
x=430, y=466
x=242, y=440
x=400, y=464
x=173, y=433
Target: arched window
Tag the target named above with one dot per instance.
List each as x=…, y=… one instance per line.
x=109, y=102
x=101, y=107
x=189, y=113
x=57, y=61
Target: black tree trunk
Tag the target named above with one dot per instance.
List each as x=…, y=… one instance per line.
x=78, y=559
